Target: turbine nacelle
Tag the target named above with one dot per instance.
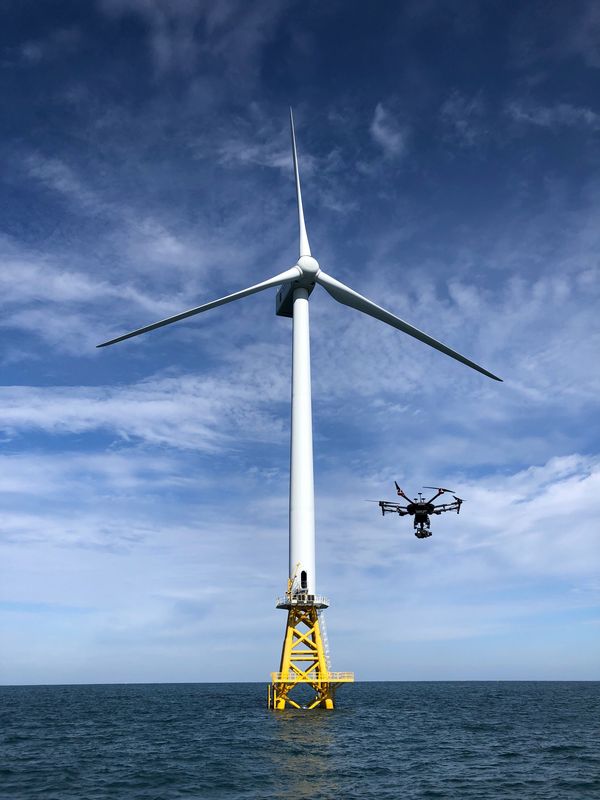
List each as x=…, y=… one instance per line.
x=309, y=270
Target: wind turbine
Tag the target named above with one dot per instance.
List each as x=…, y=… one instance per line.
x=304, y=656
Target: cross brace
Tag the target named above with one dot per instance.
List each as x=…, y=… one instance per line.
x=304, y=663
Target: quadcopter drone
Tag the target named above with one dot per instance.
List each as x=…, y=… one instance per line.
x=421, y=509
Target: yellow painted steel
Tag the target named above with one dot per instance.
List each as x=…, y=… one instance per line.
x=303, y=663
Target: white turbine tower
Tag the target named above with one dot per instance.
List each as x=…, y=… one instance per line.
x=304, y=657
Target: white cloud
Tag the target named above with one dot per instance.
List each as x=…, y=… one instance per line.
x=53, y=299
x=519, y=317
x=139, y=574
x=172, y=27
x=264, y=154
x=534, y=525
x=186, y=33
x=581, y=34
x=388, y=134
x=58, y=176
x=191, y=508
x=464, y=116
x=42, y=474
x=357, y=361
x=261, y=140
x=557, y=116
x=145, y=236
x=61, y=42
x=199, y=412
x=139, y=243
x=29, y=277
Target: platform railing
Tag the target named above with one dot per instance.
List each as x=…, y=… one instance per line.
x=298, y=599
x=325, y=677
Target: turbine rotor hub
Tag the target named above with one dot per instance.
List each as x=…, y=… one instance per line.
x=309, y=266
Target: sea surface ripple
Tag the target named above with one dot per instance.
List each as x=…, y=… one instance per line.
x=469, y=741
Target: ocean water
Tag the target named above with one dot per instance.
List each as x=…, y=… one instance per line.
x=384, y=741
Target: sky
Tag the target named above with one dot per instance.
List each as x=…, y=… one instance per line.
x=450, y=159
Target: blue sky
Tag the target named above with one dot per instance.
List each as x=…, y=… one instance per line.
x=450, y=157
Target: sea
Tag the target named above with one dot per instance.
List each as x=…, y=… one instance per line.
x=384, y=741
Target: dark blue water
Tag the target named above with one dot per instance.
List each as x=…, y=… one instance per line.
x=384, y=740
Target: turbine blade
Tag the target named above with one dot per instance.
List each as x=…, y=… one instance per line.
x=304, y=245
x=290, y=274
x=348, y=297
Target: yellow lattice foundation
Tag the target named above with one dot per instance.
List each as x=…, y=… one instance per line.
x=304, y=662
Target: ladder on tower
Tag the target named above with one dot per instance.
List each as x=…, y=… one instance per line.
x=325, y=638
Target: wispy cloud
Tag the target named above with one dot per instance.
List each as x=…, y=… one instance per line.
x=512, y=526
x=263, y=155
x=61, y=178
x=544, y=37
x=59, y=43
x=581, y=34
x=557, y=116
x=28, y=277
x=140, y=242
x=147, y=483
x=464, y=117
x=452, y=589
x=388, y=133
x=184, y=34
x=42, y=474
x=55, y=300
x=257, y=140
x=204, y=412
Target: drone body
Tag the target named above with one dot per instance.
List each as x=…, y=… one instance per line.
x=420, y=509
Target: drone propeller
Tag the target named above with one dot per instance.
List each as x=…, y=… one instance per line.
x=401, y=492
x=458, y=502
x=438, y=489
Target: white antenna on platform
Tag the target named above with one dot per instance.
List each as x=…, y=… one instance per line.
x=297, y=283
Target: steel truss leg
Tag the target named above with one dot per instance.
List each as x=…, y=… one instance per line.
x=303, y=663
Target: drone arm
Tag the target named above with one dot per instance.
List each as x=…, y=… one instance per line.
x=386, y=505
x=401, y=493
x=288, y=275
x=449, y=507
x=348, y=297
x=438, y=494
